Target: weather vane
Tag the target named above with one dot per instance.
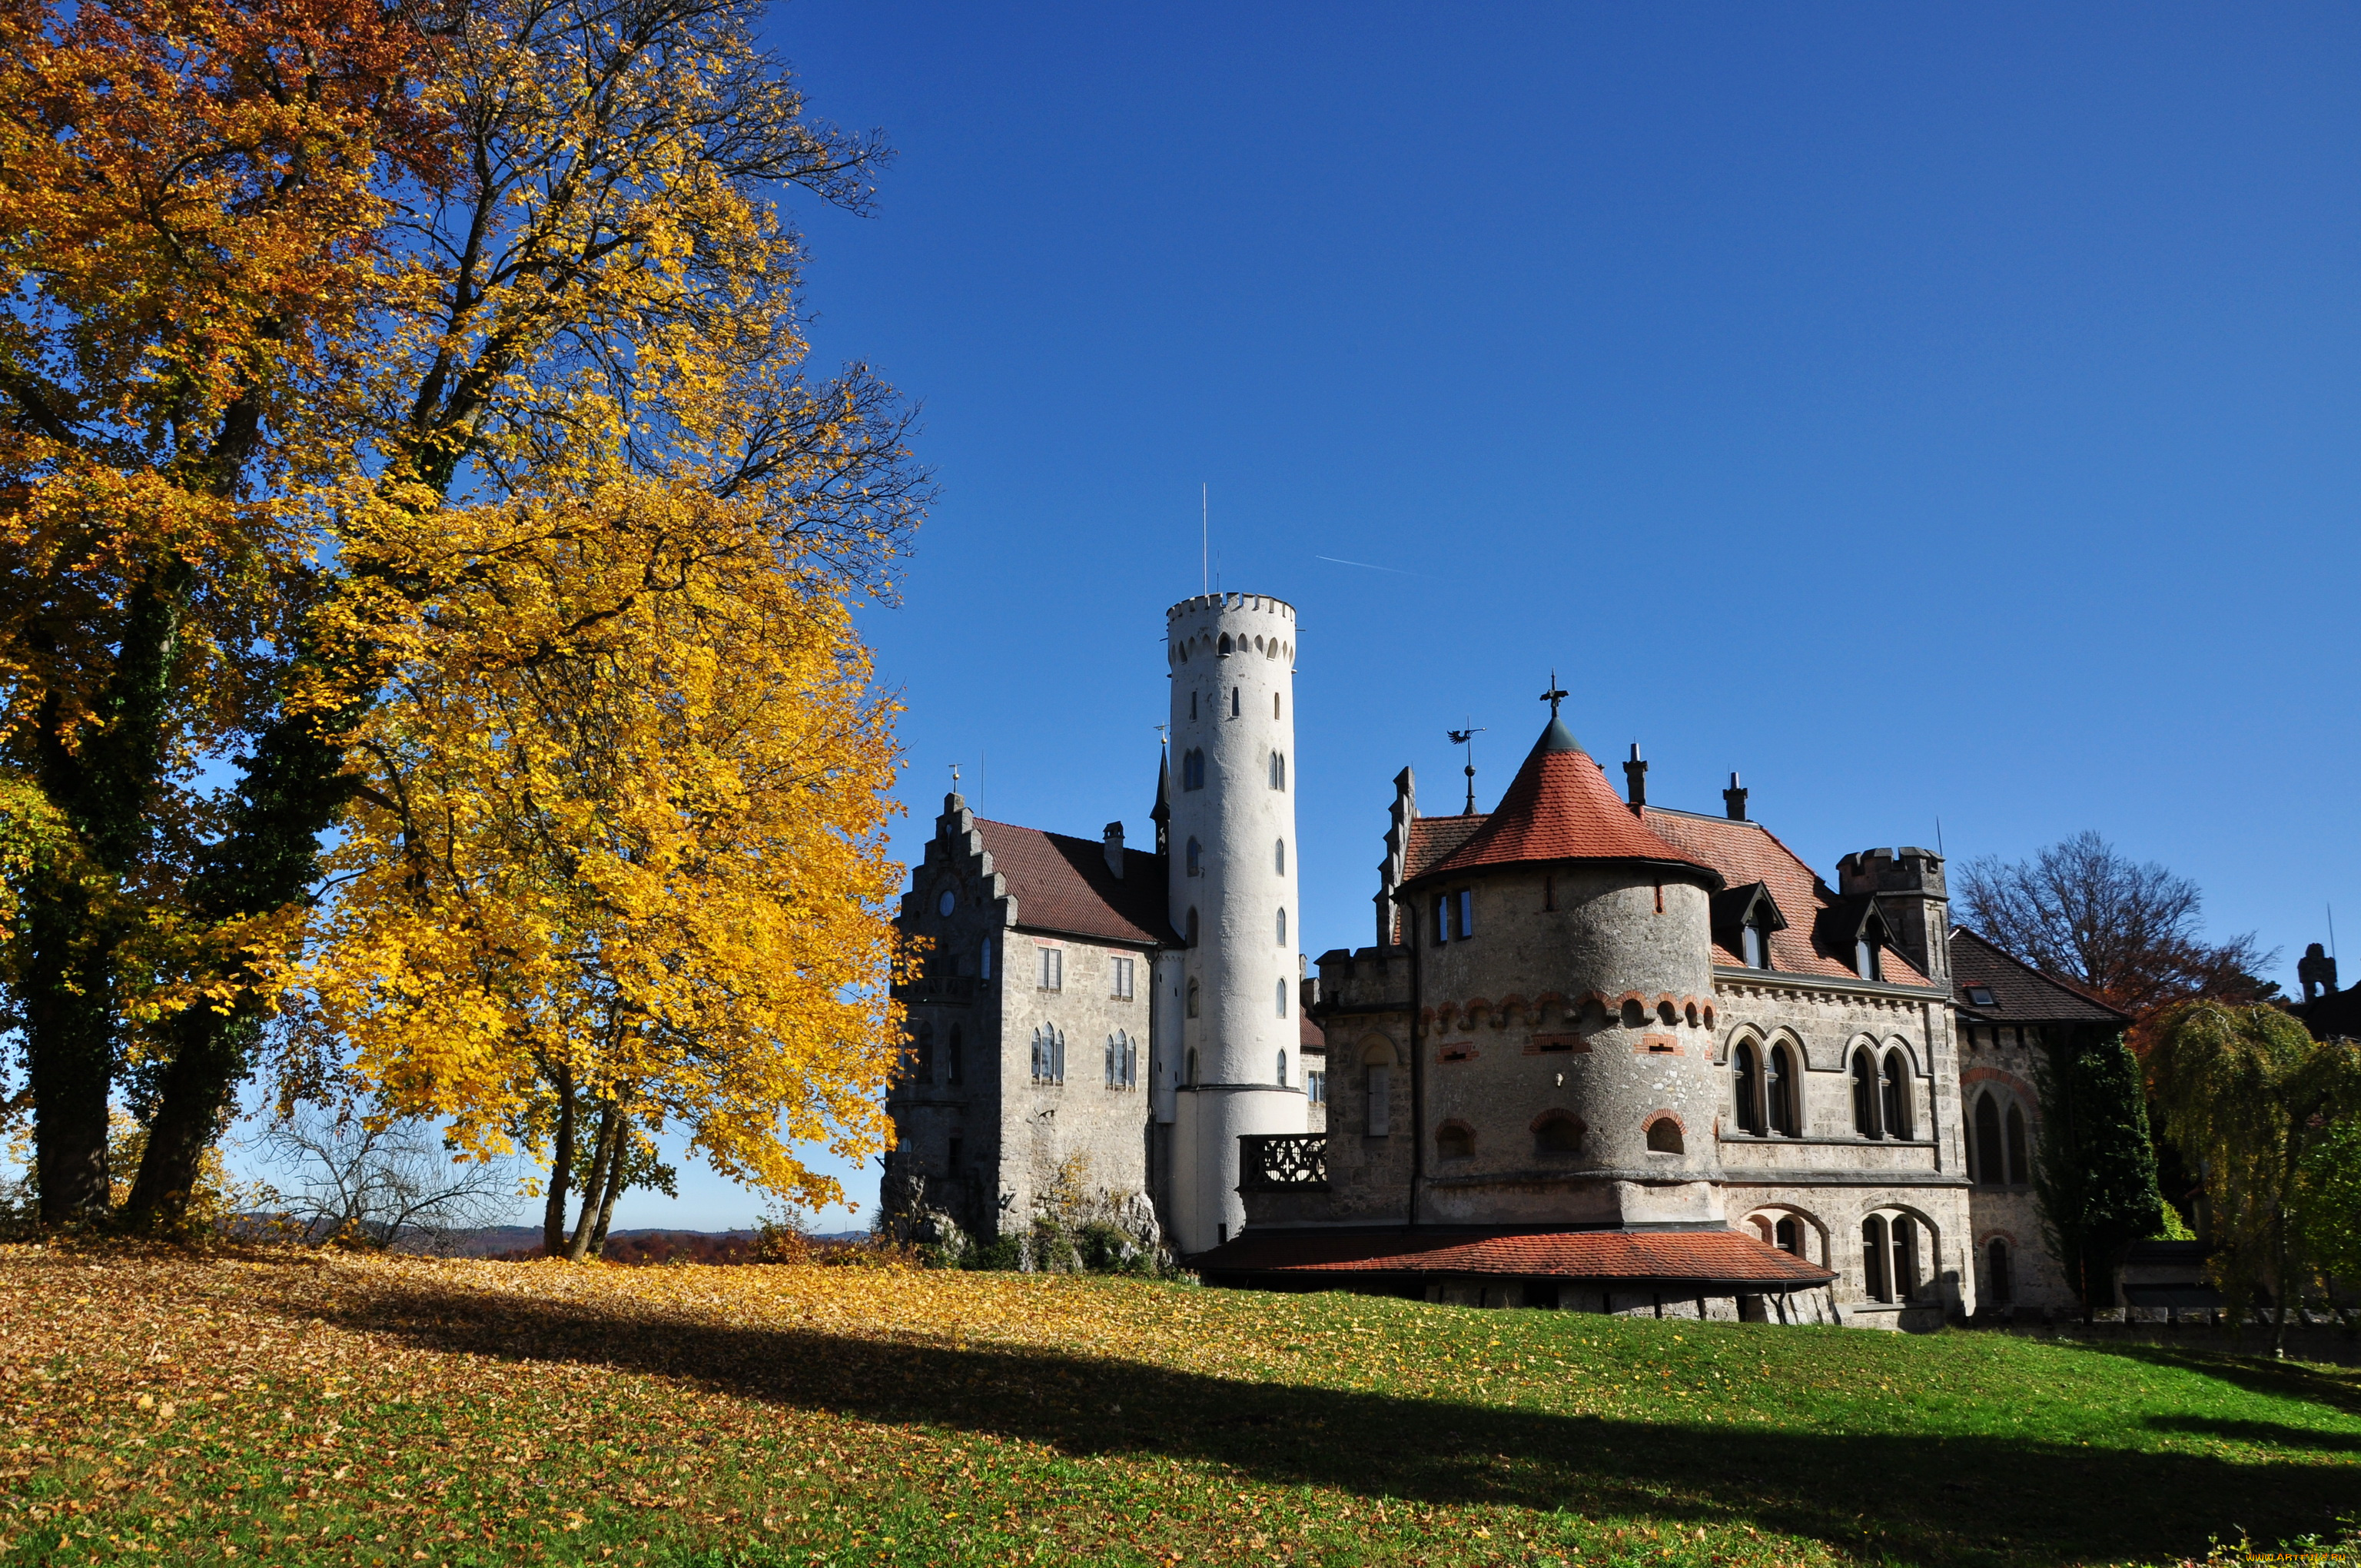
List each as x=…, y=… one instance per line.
x=1554, y=696
x=954, y=778
x=1468, y=737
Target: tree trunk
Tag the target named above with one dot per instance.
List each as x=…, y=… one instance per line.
x=561, y=1165
x=594, y=1191
x=268, y=859
x=615, y=1180
x=70, y=1054
x=101, y=787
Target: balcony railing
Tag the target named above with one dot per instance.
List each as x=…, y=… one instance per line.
x=1283, y=1162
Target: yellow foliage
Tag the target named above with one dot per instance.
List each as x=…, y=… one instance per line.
x=622, y=816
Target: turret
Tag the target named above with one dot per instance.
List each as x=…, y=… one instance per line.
x=1231, y=865
x=1909, y=886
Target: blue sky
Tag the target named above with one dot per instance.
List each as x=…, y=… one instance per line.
x=1932, y=413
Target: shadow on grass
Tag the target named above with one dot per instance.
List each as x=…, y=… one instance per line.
x=1936, y=1499
x=2268, y=1435
x=2284, y=1379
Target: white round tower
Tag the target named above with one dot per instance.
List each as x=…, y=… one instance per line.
x=1231, y=862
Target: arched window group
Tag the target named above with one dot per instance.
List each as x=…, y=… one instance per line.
x=1048, y=1055
x=1997, y=1151
x=1882, y=1097
x=1765, y=1085
x=1122, y=1062
x=1278, y=770
x=1893, y=1258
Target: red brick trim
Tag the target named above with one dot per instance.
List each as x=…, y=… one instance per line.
x=1658, y=1046
x=1540, y=1042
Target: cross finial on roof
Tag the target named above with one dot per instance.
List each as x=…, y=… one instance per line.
x=1555, y=695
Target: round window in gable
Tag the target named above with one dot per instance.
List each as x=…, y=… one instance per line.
x=947, y=903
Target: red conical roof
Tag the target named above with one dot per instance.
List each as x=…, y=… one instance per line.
x=1561, y=808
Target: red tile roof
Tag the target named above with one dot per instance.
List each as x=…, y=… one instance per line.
x=1062, y=885
x=1723, y=1257
x=1309, y=1036
x=1436, y=838
x=1561, y=808
x=1745, y=852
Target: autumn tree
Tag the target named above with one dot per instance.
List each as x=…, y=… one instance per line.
x=2127, y=931
x=2247, y=1095
x=191, y=193
x=594, y=322
x=616, y=862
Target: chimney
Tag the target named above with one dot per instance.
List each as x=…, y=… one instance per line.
x=1115, y=850
x=1635, y=779
x=1733, y=800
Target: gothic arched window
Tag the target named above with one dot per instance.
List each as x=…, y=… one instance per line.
x=1279, y=857
x=1897, y=1096
x=1192, y=998
x=1876, y=1283
x=1787, y=1236
x=1984, y=1151
x=1282, y=998
x=1779, y=1086
x=1864, y=1096
x=1282, y=1069
x=1747, y=1082
x=1282, y=928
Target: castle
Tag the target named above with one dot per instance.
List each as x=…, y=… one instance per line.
x=1602, y=1055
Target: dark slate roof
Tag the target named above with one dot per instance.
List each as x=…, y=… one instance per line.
x=1747, y=852
x=1690, y=1257
x=2335, y=1016
x=2020, y=992
x=1561, y=808
x=1062, y=885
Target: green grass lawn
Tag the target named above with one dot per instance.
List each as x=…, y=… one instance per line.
x=291, y=1408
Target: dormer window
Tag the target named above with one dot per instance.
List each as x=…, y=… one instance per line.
x=1980, y=996
x=1743, y=919
x=1864, y=957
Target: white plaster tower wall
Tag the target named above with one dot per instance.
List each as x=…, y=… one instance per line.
x=1233, y=666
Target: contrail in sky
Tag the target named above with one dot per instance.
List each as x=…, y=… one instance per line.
x=1397, y=571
